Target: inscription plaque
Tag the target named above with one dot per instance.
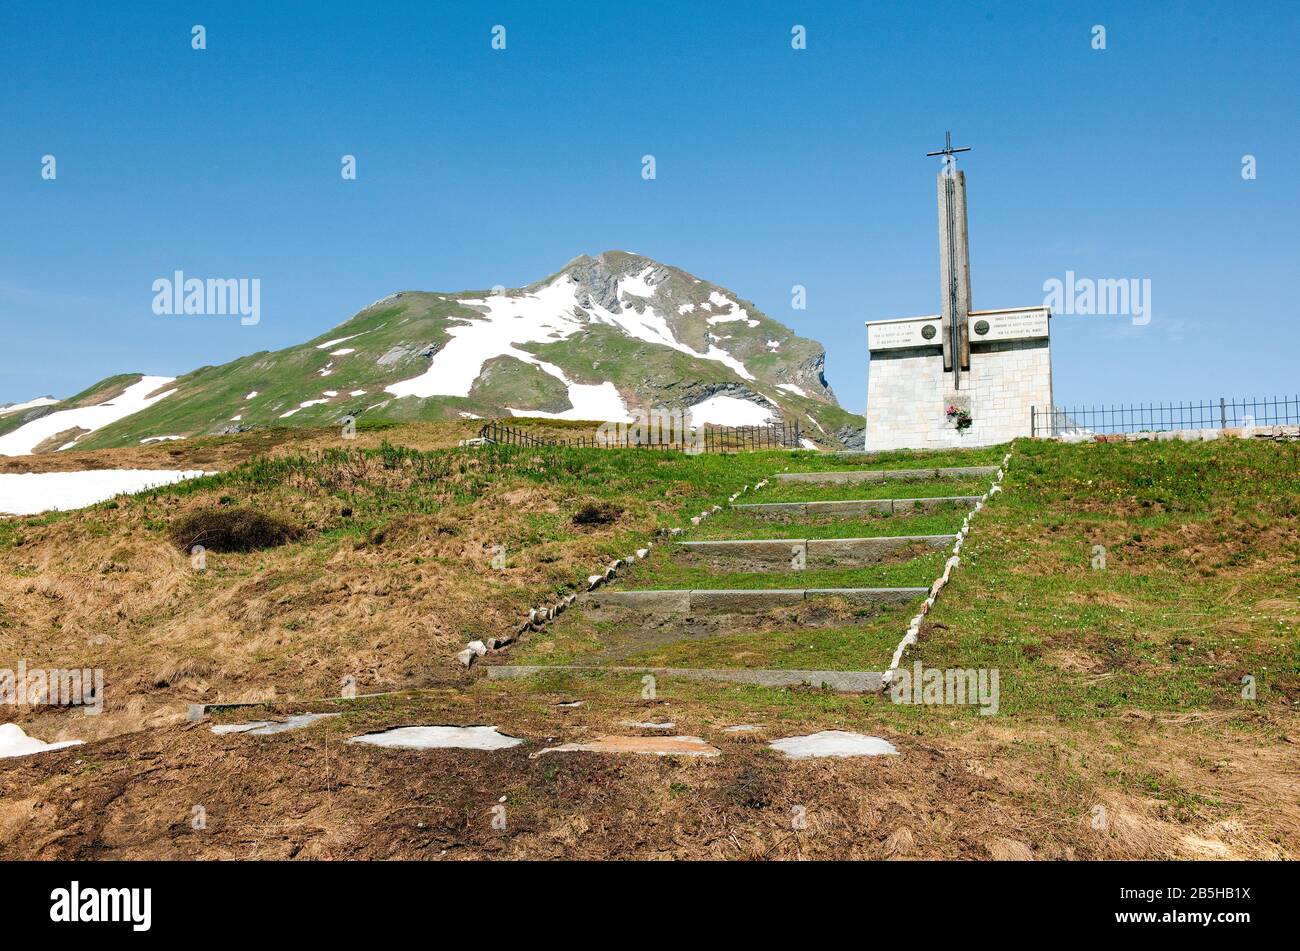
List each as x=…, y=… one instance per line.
x=1012, y=324
x=900, y=334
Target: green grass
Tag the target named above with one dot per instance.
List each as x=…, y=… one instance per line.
x=510, y=381
x=394, y=478
x=853, y=647
x=893, y=489
x=913, y=458
x=1198, y=590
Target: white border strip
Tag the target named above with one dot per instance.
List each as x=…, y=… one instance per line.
x=914, y=626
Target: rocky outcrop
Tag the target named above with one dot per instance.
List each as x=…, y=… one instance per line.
x=853, y=437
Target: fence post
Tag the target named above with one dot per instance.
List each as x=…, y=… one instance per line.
x=1033, y=421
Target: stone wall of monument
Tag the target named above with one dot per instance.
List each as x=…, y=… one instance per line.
x=905, y=408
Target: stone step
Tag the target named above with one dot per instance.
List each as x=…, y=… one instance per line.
x=854, y=506
x=841, y=681
x=738, y=600
x=882, y=475
x=783, y=554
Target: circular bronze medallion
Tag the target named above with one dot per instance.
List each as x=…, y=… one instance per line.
x=928, y=331
x=981, y=327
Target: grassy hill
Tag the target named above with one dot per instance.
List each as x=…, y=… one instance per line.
x=1121, y=686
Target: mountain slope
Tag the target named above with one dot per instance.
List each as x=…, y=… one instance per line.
x=602, y=339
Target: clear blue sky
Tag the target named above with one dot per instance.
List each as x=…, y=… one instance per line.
x=775, y=167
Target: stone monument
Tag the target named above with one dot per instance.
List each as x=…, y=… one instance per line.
x=963, y=377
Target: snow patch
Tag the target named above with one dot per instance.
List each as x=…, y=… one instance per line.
x=505, y=321
x=251, y=395
x=28, y=493
x=729, y=411
x=600, y=402
x=791, y=388
x=733, y=311
x=833, y=743
x=439, y=737
x=329, y=343
x=149, y=439
x=637, y=285
x=14, y=742
x=357, y=393
x=653, y=745
x=267, y=727
x=342, y=353
x=27, y=437
x=302, y=406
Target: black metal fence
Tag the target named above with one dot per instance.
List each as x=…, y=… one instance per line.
x=1223, y=413
x=782, y=435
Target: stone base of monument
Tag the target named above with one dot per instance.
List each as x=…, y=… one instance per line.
x=909, y=391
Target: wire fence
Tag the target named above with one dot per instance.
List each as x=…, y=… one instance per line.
x=782, y=435
x=1223, y=413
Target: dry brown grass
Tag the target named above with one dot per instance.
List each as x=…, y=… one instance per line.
x=223, y=452
x=114, y=588
x=389, y=605
x=230, y=529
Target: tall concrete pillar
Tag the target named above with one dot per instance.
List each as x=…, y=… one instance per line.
x=954, y=272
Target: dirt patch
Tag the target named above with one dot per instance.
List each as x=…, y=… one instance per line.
x=613, y=636
x=223, y=529
x=782, y=557
x=1226, y=544
x=597, y=513
x=1075, y=661
x=307, y=794
x=617, y=632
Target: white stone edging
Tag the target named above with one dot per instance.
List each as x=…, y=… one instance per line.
x=1281, y=432
x=538, y=617
x=914, y=626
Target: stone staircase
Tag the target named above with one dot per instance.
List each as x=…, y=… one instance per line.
x=750, y=585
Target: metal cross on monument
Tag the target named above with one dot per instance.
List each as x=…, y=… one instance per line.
x=954, y=262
